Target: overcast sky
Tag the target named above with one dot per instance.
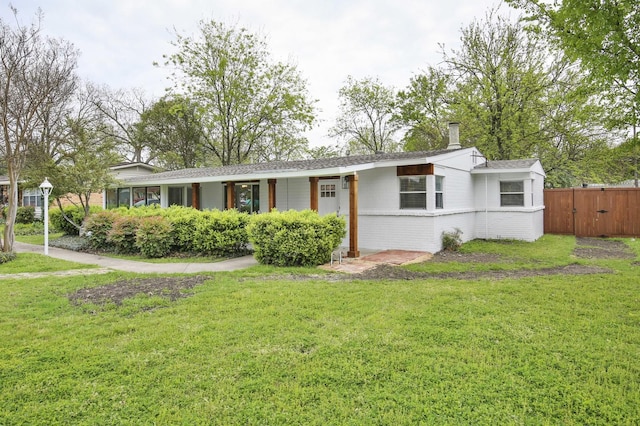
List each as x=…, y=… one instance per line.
x=328, y=40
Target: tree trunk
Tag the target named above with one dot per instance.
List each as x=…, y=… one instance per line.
x=12, y=210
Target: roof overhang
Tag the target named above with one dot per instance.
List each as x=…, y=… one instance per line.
x=290, y=173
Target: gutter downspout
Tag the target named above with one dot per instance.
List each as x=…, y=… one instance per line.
x=486, y=207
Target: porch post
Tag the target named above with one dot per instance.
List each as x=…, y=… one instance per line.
x=313, y=191
x=272, y=193
x=231, y=195
x=353, y=216
x=195, y=195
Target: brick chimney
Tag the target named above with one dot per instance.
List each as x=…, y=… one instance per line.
x=454, y=135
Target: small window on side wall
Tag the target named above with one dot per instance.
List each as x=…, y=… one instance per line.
x=439, y=192
x=512, y=193
x=413, y=192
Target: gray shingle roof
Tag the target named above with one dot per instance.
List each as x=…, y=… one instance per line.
x=507, y=164
x=283, y=166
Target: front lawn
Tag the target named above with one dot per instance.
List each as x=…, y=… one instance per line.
x=267, y=346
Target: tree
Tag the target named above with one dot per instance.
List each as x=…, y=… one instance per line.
x=245, y=101
x=36, y=74
x=174, y=131
x=365, y=119
x=323, y=151
x=603, y=36
x=77, y=165
x=501, y=77
x=424, y=107
x=122, y=109
x=517, y=97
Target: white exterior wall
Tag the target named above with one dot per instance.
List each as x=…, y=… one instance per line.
x=131, y=171
x=417, y=231
x=495, y=222
x=527, y=225
x=383, y=225
x=212, y=196
x=292, y=194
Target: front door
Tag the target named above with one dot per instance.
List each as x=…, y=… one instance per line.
x=328, y=196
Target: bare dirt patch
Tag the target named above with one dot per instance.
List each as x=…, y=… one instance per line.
x=172, y=288
x=454, y=256
x=393, y=273
x=600, y=248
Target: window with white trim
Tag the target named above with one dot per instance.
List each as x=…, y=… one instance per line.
x=413, y=192
x=439, y=192
x=328, y=190
x=512, y=193
x=32, y=197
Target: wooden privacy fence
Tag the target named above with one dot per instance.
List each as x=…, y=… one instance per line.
x=592, y=212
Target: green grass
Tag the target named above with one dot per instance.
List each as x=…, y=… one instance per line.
x=37, y=239
x=245, y=350
x=547, y=252
x=33, y=262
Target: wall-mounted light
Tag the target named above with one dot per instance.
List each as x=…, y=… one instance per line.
x=345, y=182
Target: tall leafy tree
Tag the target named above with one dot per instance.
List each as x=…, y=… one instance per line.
x=174, y=131
x=36, y=75
x=425, y=109
x=246, y=101
x=365, y=119
x=501, y=79
x=604, y=36
x=523, y=98
x=78, y=163
x=515, y=97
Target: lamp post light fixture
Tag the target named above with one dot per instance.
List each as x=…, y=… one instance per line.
x=45, y=188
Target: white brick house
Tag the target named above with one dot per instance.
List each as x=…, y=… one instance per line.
x=390, y=201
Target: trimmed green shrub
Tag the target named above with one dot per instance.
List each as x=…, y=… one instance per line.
x=26, y=214
x=184, y=221
x=154, y=237
x=221, y=233
x=123, y=234
x=35, y=228
x=295, y=238
x=451, y=241
x=142, y=211
x=97, y=227
x=75, y=213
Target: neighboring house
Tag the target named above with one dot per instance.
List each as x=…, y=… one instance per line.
x=26, y=196
x=33, y=196
x=390, y=201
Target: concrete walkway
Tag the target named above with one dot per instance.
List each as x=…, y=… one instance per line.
x=109, y=263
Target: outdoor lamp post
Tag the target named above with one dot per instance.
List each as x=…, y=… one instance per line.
x=45, y=188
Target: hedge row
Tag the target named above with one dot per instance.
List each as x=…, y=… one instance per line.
x=75, y=213
x=154, y=232
x=289, y=238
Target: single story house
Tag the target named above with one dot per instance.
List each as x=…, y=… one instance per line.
x=33, y=196
x=400, y=200
x=26, y=196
